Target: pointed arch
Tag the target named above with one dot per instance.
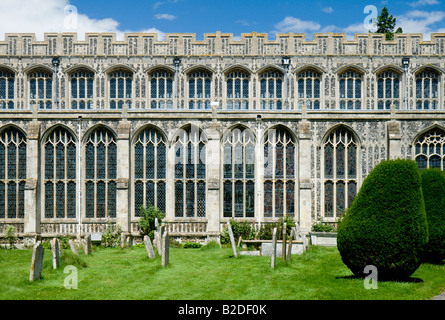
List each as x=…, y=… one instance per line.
x=350, y=66
x=280, y=172
x=96, y=126
x=236, y=67
x=78, y=67
x=309, y=66
x=100, y=172
x=429, y=147
x=190, y=172
x=340, y=170
x=238, y=157
x=13, y=159
x=149, y=154
x=59, y=173
x=152, y=69
x=270, y=67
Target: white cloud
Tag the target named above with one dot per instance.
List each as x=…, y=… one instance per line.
x=423, y=3
x=328, y=10
x=291, y=24
x=425, y=22
x=165, y=16
x=36, y=16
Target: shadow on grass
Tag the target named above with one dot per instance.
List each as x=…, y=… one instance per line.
x=408, y=280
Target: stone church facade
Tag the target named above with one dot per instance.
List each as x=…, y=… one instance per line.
x=208, y=130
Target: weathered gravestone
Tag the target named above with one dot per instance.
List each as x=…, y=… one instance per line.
x=36, y=262
x=232, y=240
x=283, y=245
x=73, y=247
x=274, y=248
x=55, y=248
x=87, y=245
x=149, y=247
x=289, y=246
x=165, y=249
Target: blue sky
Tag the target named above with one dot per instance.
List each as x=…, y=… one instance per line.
x=205, y=16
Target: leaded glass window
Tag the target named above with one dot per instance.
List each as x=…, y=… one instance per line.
x=430, y=150
x=271, y=90
x=82, y=88
x=60, y=175
x=12, y=174
x=427, y=90
x=150, y=159
x=279, y=174
x=161, y=90
x=200, y=90
x=239, y=174
x=6, y=89
x=121, y=88
x=41, y=88
x=340, y=172
x=238, y=90
x=388, y=90
x=100, y=174
x=350, y=90
x=309, y=89
x=190, y=173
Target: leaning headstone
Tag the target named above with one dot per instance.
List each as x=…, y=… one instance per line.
x=55, y=248
x=283, y=245
x=87, y=245
x=73, y=247
x=232, y=240
x=299, y=234
x=156, y=224
x=36, y=262
x=149, y=247
x=274, y=248
x=289, y=247
x=165, y=249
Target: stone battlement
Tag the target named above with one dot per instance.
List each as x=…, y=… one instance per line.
x=219, y=44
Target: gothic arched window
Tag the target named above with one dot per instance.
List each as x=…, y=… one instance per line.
x=82, y=89
x=279, y=174
x=190, y=174
x=237, y=90
x=430, y=150
x=150, y=160
x=239, y=174
x=388, y=89
x=350, y=90
x=271, y=90
x=161, y=90
x=12, y=174
x=41, y=88
x=200, y=88
x=427, y=90
x=60, y=174
x=6, y=89
x=100, y=174
x=309, y=89
x=340, y=172
x=121, y=87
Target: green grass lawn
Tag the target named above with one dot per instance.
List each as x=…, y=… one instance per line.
x=208, y=273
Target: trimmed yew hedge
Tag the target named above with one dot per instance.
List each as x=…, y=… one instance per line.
x=386, y=224
x=433, y=188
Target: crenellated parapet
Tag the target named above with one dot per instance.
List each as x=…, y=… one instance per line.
x=219, y=44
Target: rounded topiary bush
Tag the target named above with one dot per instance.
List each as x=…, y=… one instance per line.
x=433, y=188
x=386, y=223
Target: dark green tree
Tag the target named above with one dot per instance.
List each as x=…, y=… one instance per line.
x=386, y=24
x=433, y=188
x=386, y=224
